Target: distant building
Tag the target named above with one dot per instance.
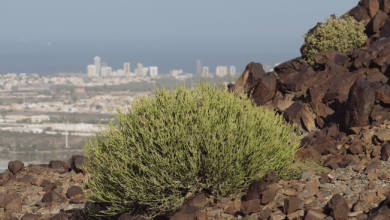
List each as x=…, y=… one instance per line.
x=97, y=62
x=205, y=71
x=177, y=72
x=153, y=71
x=198, y=68
x=232, y=70
x=127, y=68
x=141, y=70
x=106, y=71
x=91, y=70
x=221, y=71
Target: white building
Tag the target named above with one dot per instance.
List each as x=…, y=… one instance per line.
x=221, y=71
x=153, y=71
x=106, y=71
x=97, y=62
x=177, y=72
x=141, y=70
x=91, y=70
x=127, y=68
x=205, y=71
x=232, y=70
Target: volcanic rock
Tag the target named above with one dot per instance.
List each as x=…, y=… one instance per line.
x=15, y=166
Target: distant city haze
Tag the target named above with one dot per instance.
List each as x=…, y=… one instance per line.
x=46, y=36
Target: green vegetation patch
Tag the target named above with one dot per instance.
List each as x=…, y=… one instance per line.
x=339, y=34
x=176, y=143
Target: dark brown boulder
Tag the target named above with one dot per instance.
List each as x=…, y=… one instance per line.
x=331, y=58
x=300, y=113
x=294, y=65
x=385, y=5
x=379, y=114
x=359, y=105
x=15, y=166
x=383, y=94
x=11, y=202
x=77, y=163
x=265, y=89
x=362, y=58
x=338, y=207
x=385, y=152
x=53, y=196
x=256, y=188
x=74, y=192
x=360, y=14
x=372, y=6
x=29, y=217
x=382, y=212
x=57, y=164
x=5, y=177
x=385, y=30
x=376, y=23
x=292, y=204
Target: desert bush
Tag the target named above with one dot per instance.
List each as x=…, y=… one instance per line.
x=174, y=144
x=339, y=34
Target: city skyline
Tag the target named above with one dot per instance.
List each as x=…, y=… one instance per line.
x=102, y=69
x=42, y=37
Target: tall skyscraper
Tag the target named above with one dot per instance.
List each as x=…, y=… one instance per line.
x=97, y=62
x=126, y=68
x=198, y=68
x=153, y=71
x=232, y=70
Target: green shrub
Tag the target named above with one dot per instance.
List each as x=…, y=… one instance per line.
x=340, y=34
x=176, y=143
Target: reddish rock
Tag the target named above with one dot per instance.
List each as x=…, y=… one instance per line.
x=372, y=6
x=269, y=193
x=29, y=217
x=251, y=206
x=14, y=205
x=15, y=166
x=77, y=163
x=360, y=13
x=383, y=94
x=26, y=179
x=385, y=5
x=265, y=89
x=385, y=152
x=314, y=215
x=300, y=113
x=356, y=148
x=292, y=204
x=376, y=23
x=338, y=207
x=58, y=165
x=5, y=177
x=360, y=103
x=256, y=188
x=74, y=192
x=53, y=196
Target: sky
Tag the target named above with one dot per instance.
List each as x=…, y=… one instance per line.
x=50, y=36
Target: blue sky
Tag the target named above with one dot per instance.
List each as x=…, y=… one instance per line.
x=49, y=36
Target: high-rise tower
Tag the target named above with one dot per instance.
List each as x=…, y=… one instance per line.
x=97, y=62
x=198, y=68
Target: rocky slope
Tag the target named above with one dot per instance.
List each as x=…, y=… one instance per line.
x=343, y=106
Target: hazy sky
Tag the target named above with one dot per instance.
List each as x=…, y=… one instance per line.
x=49, y=36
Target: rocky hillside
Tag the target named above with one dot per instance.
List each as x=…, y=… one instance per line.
x=342, y=104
